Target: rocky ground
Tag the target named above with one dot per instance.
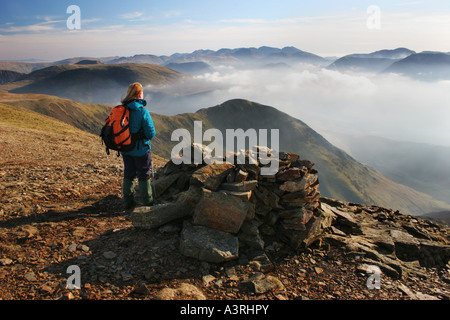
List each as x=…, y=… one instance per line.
x=61, y=206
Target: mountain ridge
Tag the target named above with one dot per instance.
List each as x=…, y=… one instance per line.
x=210, y=56
x=399, y=60
x=87, y=117
x=374, y=62
x=92, y=83
x=342, y=177
x=427, y=66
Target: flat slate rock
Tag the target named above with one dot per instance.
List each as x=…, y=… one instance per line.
x=158, y=215
x=208, y=244
x=221, y=211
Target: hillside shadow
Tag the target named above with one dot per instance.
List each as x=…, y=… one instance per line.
x=109, y=206
x=117, y=260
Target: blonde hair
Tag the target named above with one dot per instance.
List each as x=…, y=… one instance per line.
x=133, y=92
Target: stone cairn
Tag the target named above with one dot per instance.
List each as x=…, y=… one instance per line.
x=224, y=207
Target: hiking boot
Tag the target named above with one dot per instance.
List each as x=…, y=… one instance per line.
x=145, y=191
x=128, y=193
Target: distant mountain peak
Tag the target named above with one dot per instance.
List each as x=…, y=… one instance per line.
x=399, y=53
x=395, y=54
x=373, y=62
x=427, y=65
x=290, y=50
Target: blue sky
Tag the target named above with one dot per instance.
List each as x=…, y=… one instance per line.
x=38, y=29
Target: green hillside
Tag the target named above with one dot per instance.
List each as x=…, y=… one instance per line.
x=23, y=118
x=96, y=83
x=88, y=117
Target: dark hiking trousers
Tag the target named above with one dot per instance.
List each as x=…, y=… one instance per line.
x=139, y=167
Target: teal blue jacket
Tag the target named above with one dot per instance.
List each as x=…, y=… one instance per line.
x=140, y=119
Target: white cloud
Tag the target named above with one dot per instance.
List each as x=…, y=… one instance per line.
x=48, y=24
x=249, y=20
x=390, y=106
x=136, y=16
x=132, y=15
x=34, y=28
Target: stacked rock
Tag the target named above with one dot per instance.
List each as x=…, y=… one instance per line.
x=227, y=206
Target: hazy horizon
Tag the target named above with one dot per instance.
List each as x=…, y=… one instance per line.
x=52, y=30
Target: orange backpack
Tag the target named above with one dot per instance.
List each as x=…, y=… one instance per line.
x=115, y=134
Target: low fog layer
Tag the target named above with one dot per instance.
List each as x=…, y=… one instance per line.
x=329, y=101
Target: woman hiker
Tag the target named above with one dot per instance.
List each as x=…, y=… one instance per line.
x=137, y=162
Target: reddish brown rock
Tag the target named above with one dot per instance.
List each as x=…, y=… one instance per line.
x=240, y=186
x=290, y=174
x=296, y=219
x=220, y=211
x=212, y=175
x=298, y=185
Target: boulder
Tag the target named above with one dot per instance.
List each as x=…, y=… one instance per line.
x=220, y=211
x=290, y=174
x=207, y=244
x=433, y=254
x=406, y=246
x=158, y=215
x=161, y=185
x=185, y=291
x=296, y=219
x=259, y=261
x=212, y=175
x=240, y=186
x=244, y=195
x=240, y=176
x=259, y=283
x=298, y=185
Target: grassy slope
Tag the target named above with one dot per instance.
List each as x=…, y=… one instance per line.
x=10, y=76
x=124, y=72
x=23, y=67
x=27, y=67
x=22, y=118
x=35, y=126
x=91, y=83
x=89, y=117
x=34, y=138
